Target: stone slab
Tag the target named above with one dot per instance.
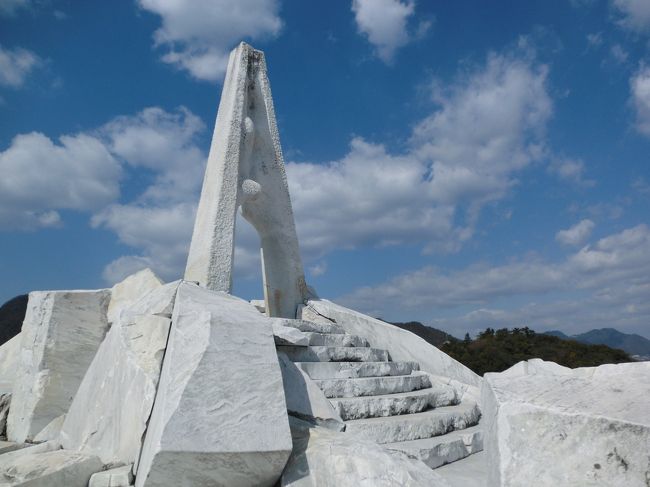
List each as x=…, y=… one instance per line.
x=57, y=468
x=286, y=335
x=587, y=427
x=440, y=450
x=372, y=386
x=60, y=336
x=408, y=427
x=121, y=382
x=336, y=340
x=393, y=404
x=7, y=446
x=303, y=325
x=220, y=417
x=334, y=354
x=348, y=370
x=115, y=477
x=322, y=457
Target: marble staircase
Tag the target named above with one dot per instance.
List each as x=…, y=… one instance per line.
x=392, y=403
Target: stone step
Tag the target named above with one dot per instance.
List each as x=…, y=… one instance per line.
x=373, y=386
x=440, y=450
x=334, y=354
x=427, y=424
x=336, y=340
x=350, y=408
x=350, y=370
x=310, y=326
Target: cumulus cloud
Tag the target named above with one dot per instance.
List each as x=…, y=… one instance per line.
x=609, y=280
x=577, y=234
x=484, y=130
x=634, y=15
x=16, y=65
x=640, y=87
x=198, y=34
x=41, y=176
x=489, y=125
x=385, y=24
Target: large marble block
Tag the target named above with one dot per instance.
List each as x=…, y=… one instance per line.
x=55, y=468
x=121, y=383
x=128, y=291
x=9, y=354
x=60, y=336
x=220, y=416
x=586, y=427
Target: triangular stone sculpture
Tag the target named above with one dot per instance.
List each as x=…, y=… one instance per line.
x=245, y=168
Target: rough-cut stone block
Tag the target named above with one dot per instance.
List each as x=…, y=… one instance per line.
x=7, y=446
x=58, y=468
x=304, y=397
x=303, y=325
x=9, y=355
x=334, y=354
x=322, y=457
x=286, y=335
x=220, y=417
x=350, y=370
x=115, y=477
x=372, y=386
x=60, y=336
x=408, y=427
x=121, y=383
x=125, y=293
x=587, y=427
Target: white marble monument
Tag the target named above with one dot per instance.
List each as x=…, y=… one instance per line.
x=245, y=169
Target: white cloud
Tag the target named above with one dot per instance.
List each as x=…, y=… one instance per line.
x=318, y=269
x=595, y=40
x=384, y=23
x=198, y=34
x=490, y=125
x=16, y=65
x=8, y=8
x=369, y=197
x=577, y=234
x=640, y=87
x=570, y=170
x=634, y=14
x=40, y=176
x=605, y=284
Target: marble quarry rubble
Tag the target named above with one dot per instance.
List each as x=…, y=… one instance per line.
x=183, y=384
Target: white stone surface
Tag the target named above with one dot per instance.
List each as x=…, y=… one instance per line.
x=587, y=427
x=310, y=314
x=115, y=477
x=324, y=458
x=7, y=446
x=126, y=292
x=51, y=431
x=57, y=468
x=402, y=344
x=245, y=168
x=60, y=336
x=220, y=417
x=350, y=370
x=372, y=386
x=469, y=472
x=286, y=335
x=9, y=356
x=304, y=398
x=334, y=354
x=121, y=383
x=408, y=427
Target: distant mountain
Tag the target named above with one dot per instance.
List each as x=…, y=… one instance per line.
x=12, y=314
x=633, y=344
x=432, y=335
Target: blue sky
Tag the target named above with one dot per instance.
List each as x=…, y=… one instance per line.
x=466, y=164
